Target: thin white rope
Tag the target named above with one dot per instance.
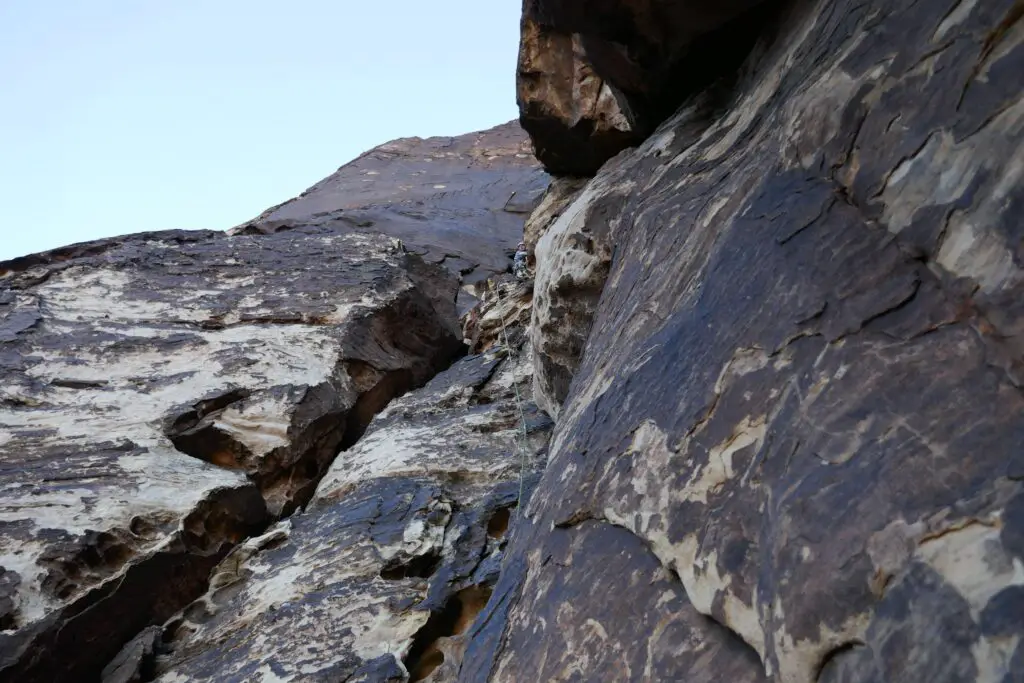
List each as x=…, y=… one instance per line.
x=522, y=418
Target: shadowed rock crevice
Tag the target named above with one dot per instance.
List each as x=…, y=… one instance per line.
x=377, y=389
x=285, y=439
x=396, y=553
x=712, y=60
x=830, y=661
x=497, y=525
x=195, y=433
x=75, y=643
x=382, y=388
x=420, y=567
x=136, y=662
x=427, y=653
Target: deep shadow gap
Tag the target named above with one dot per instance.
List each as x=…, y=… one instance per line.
x=453, y=619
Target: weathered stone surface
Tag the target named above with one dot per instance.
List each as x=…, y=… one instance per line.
x=782, y=338
x=502, y=316
x=801, y=392
x=597, y=77
x=574, y=118
x=460, y=201
x=165, y=395
x=589, y=630
x=385, y=572
x=132, y=663
x=573, y=252
x=560, y=193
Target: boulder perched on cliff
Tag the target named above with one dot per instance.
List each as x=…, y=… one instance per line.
x=792, y=447
x=166, y=395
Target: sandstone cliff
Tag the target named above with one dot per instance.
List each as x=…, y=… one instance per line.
x=758, y=416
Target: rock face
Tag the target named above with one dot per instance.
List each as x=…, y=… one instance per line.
x=575, y=118
x=385, y=571
x=573, y=252
x=597, y=77
x=166, y=395
x=782, y=339
x=456, y=201
x=794, y=433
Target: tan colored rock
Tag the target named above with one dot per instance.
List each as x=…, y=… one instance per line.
x=560, y=193
x=504, y=312
x=573, y=253
x=575, y=119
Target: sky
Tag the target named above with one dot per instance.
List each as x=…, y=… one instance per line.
x=121, y=116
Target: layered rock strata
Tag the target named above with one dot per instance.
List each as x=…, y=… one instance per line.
x=383, y=575
x=457, y=201
x=169, y=394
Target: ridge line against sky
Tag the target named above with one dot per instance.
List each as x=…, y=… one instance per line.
x=125, y=116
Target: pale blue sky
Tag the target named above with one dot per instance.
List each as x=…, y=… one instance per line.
x=120, y=116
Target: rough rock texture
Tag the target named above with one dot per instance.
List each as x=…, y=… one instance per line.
x=502, y=315
x=560, y=193
x=597, y=77
x=795, y=431
x=458, y=201
x=165, y=395
x=397, y=553
x=573, y=253
x=574, y=117
x=782, y=338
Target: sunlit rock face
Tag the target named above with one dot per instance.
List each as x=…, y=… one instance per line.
x=458, y=201
x=169, y=396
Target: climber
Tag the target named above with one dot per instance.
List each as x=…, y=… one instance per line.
x=519, y=262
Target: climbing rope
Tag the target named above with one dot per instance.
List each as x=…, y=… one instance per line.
x=522, y=417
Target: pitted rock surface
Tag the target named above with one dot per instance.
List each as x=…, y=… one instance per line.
x=460, y=201
x=165, y=396
x=800, y=393
x=398, y=551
